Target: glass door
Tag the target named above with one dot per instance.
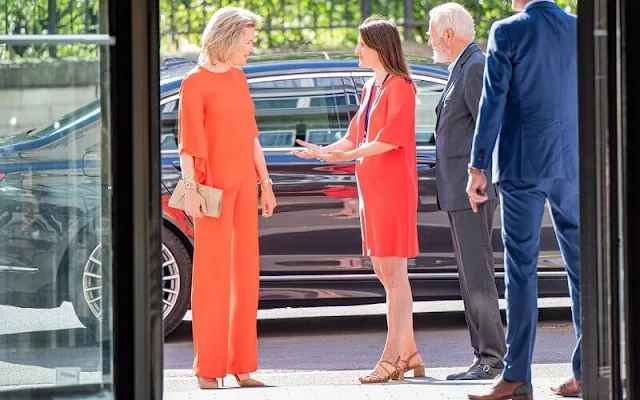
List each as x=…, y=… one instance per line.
x=79, y=213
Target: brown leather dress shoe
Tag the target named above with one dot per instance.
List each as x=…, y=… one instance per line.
x=503, y=390
x=570, y=388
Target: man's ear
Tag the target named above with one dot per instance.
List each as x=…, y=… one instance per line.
x=448, y=33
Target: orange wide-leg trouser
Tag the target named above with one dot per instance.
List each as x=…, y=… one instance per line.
x=225, y=286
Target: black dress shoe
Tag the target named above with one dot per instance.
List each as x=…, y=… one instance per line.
x=482, y=371
x=457, y=375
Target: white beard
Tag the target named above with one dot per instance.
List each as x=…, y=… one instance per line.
x=439, y=57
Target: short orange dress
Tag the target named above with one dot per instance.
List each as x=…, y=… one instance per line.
x=388, y=182
x=217, y=127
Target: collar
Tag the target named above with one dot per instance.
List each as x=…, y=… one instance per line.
x=453, y=64
x=538, y=1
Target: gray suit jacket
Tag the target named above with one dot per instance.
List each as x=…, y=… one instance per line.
x=456, y=119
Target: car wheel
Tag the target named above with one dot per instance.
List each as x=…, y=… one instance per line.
x=176, y=280
x=81, y=274
x=176, y=283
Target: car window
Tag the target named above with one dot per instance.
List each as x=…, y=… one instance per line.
x=428, y=96
x=313, y=109
x=352, y=92
x=169, y=125
x=360, y=81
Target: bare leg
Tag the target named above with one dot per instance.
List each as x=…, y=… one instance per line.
x=392, y=272
x=408, y=345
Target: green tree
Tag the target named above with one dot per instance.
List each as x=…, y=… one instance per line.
x=292, y=24
x=484, y=12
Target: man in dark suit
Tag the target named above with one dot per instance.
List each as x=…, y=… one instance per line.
x=452, y=31
x=529, y=106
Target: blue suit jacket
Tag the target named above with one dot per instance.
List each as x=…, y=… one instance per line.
x=529, y=101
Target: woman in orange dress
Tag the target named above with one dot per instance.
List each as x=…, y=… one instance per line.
x=382, y=140
x=219, y=147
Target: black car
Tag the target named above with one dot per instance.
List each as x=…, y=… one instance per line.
x=51, y=215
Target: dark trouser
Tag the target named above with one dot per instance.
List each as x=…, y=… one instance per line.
x=522, y=210
x=472, y=246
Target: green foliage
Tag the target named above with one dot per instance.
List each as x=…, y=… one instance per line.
x=289, y=24
x=484, y=12
x=34, y=17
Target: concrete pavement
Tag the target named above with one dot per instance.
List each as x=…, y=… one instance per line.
x=334, y=385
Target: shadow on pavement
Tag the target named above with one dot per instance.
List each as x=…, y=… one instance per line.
x=53, y=349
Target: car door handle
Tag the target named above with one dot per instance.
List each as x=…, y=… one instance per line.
x=176, y=165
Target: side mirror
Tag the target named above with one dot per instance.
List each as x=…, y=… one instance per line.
x=91, y=164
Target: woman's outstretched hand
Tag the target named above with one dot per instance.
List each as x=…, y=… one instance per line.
x=310, y=150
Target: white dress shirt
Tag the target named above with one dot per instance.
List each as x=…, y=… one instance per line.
x=453, y=64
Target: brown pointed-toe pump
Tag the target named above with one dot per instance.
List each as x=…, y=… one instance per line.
x=248, y=382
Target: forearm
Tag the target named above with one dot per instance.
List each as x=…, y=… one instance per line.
x=371, y=149
x=187, y=165
x=259, y=161
x=343, y=144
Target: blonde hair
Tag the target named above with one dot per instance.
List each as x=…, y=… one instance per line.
x=225, y=32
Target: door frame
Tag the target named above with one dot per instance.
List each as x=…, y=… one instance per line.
x=136, y=209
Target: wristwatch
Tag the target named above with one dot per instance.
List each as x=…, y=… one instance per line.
x=471, y=168
x=267, y=181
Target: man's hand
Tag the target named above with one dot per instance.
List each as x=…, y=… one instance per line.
x=475, y=188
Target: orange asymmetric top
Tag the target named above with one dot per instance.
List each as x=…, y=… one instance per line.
x=388, y=182
x=222, y=147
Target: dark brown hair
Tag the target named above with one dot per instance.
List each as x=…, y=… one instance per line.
x=382, y=35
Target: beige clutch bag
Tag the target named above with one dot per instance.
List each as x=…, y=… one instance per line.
x=212, y=198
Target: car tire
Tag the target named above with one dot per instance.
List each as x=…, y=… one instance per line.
x=174, y=247
x=86, y=278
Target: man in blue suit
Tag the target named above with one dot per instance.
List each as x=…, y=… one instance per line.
x=529, y=106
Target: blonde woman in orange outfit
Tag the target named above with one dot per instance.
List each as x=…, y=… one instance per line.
x=219, y=147
x=382, y=140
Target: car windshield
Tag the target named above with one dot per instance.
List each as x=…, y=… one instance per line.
x=75, y=116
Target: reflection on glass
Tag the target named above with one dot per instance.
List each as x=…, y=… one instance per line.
x=311, y=109
x=54, y=228
x=427, y=99
x=324, y=137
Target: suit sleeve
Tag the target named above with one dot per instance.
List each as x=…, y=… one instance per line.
x=473, y=88
x=497, y=75
x=400, y=124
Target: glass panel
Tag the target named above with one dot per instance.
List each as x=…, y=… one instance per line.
x=169, y=125
x=55, y=209
x=311, y=109
x=428, y=96
x=353, y=95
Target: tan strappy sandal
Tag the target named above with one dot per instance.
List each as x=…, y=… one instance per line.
x=375, y=378
x=418, y=370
